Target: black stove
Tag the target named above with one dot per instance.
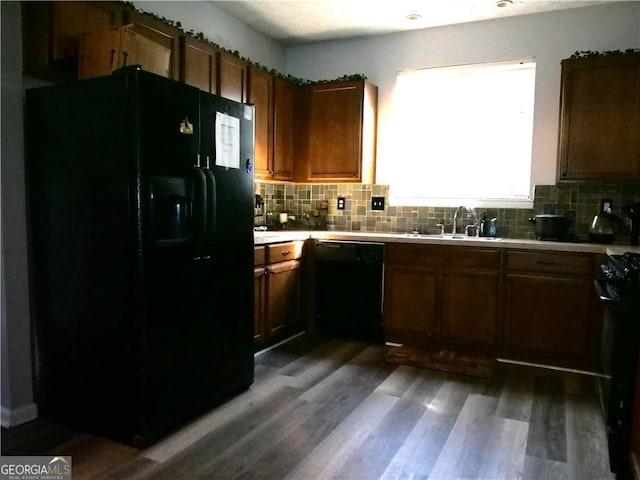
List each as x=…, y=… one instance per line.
x=619, y=290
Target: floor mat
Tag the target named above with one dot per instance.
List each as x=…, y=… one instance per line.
x=445, y=360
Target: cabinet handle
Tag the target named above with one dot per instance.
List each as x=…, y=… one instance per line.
x=113, y=52
x=542, y=262
x=284, y=254
x=125, y=55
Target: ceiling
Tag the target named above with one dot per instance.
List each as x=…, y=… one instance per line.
x=298, y=22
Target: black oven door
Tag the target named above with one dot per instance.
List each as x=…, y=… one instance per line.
x=619, y=349
x=610, y=301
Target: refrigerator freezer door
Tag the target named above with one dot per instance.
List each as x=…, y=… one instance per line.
x=197, y=325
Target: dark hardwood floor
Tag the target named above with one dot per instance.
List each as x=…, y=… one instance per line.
x=335, y=409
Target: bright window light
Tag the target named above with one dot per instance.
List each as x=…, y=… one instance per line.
x=463, y=134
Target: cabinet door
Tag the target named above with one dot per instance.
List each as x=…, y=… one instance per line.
x=261, y=95
x=334, y=132
x=136, y=49
x=99, y=53
x=232, y=78
x=51, y=32
x=199, y=65
x=259, y=291
x=548, y=314
x=162, y=35
x=410, y=301
x=103, y=51
x=470, y=306
x=600, y=118
x=283, y=297
x=283, y=129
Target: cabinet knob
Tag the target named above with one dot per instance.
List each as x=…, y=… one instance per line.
x=563, y=174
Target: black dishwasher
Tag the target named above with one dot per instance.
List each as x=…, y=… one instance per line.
x=349, y=289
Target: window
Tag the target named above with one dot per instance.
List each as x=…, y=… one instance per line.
x=463, y=135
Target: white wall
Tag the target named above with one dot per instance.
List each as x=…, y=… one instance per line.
x=15, y=333
x=221, y=28
x=548, y=37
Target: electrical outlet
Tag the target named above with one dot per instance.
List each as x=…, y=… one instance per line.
x=341, y=202
x=377, y=203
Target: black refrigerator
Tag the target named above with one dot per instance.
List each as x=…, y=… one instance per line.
x=140, y=205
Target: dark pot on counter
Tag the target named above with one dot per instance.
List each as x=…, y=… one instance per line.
x=550, y=226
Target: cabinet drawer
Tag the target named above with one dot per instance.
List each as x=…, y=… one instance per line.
x=464, y=257
x=259, y=256
x=414, y=254
x=281, y=252
x=550, y=262
x=441, y=255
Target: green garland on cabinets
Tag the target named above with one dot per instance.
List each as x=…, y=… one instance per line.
x=202, y=38
x=589, y=53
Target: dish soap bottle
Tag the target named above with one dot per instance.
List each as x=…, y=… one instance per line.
x=492, y=227
x=482, y=232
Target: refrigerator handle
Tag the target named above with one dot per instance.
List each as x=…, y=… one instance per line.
x=200, y=210
x=211, y=207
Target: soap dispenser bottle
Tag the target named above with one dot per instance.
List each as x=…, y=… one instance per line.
x=482, y=231
x=492, y=227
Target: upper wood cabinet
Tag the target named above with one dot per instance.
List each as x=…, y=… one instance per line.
x=51, y=34
x=283, y=129
x=232, y=77
x=103, y=51
x=337, y=142
x=600, y=118
x=159, y=33
x=274, y=101
x=261, y=95
x=199, y=64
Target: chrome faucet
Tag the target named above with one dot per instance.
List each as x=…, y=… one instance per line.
x=455, y=218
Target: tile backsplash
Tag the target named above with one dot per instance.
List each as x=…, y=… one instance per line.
x=315, y=207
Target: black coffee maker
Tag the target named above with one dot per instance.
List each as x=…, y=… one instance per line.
x=633, y=212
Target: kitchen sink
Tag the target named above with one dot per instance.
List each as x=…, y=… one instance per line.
x=452, y=237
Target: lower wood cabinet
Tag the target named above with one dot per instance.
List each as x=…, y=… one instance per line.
x=283, y=298
x=277, y=292
x=448, y=295
x=410, y=301
x=536, y=306
x=470, y=306
x=551, y=312
x=259, y=295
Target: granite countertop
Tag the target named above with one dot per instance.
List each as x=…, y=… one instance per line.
x=263, y=238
